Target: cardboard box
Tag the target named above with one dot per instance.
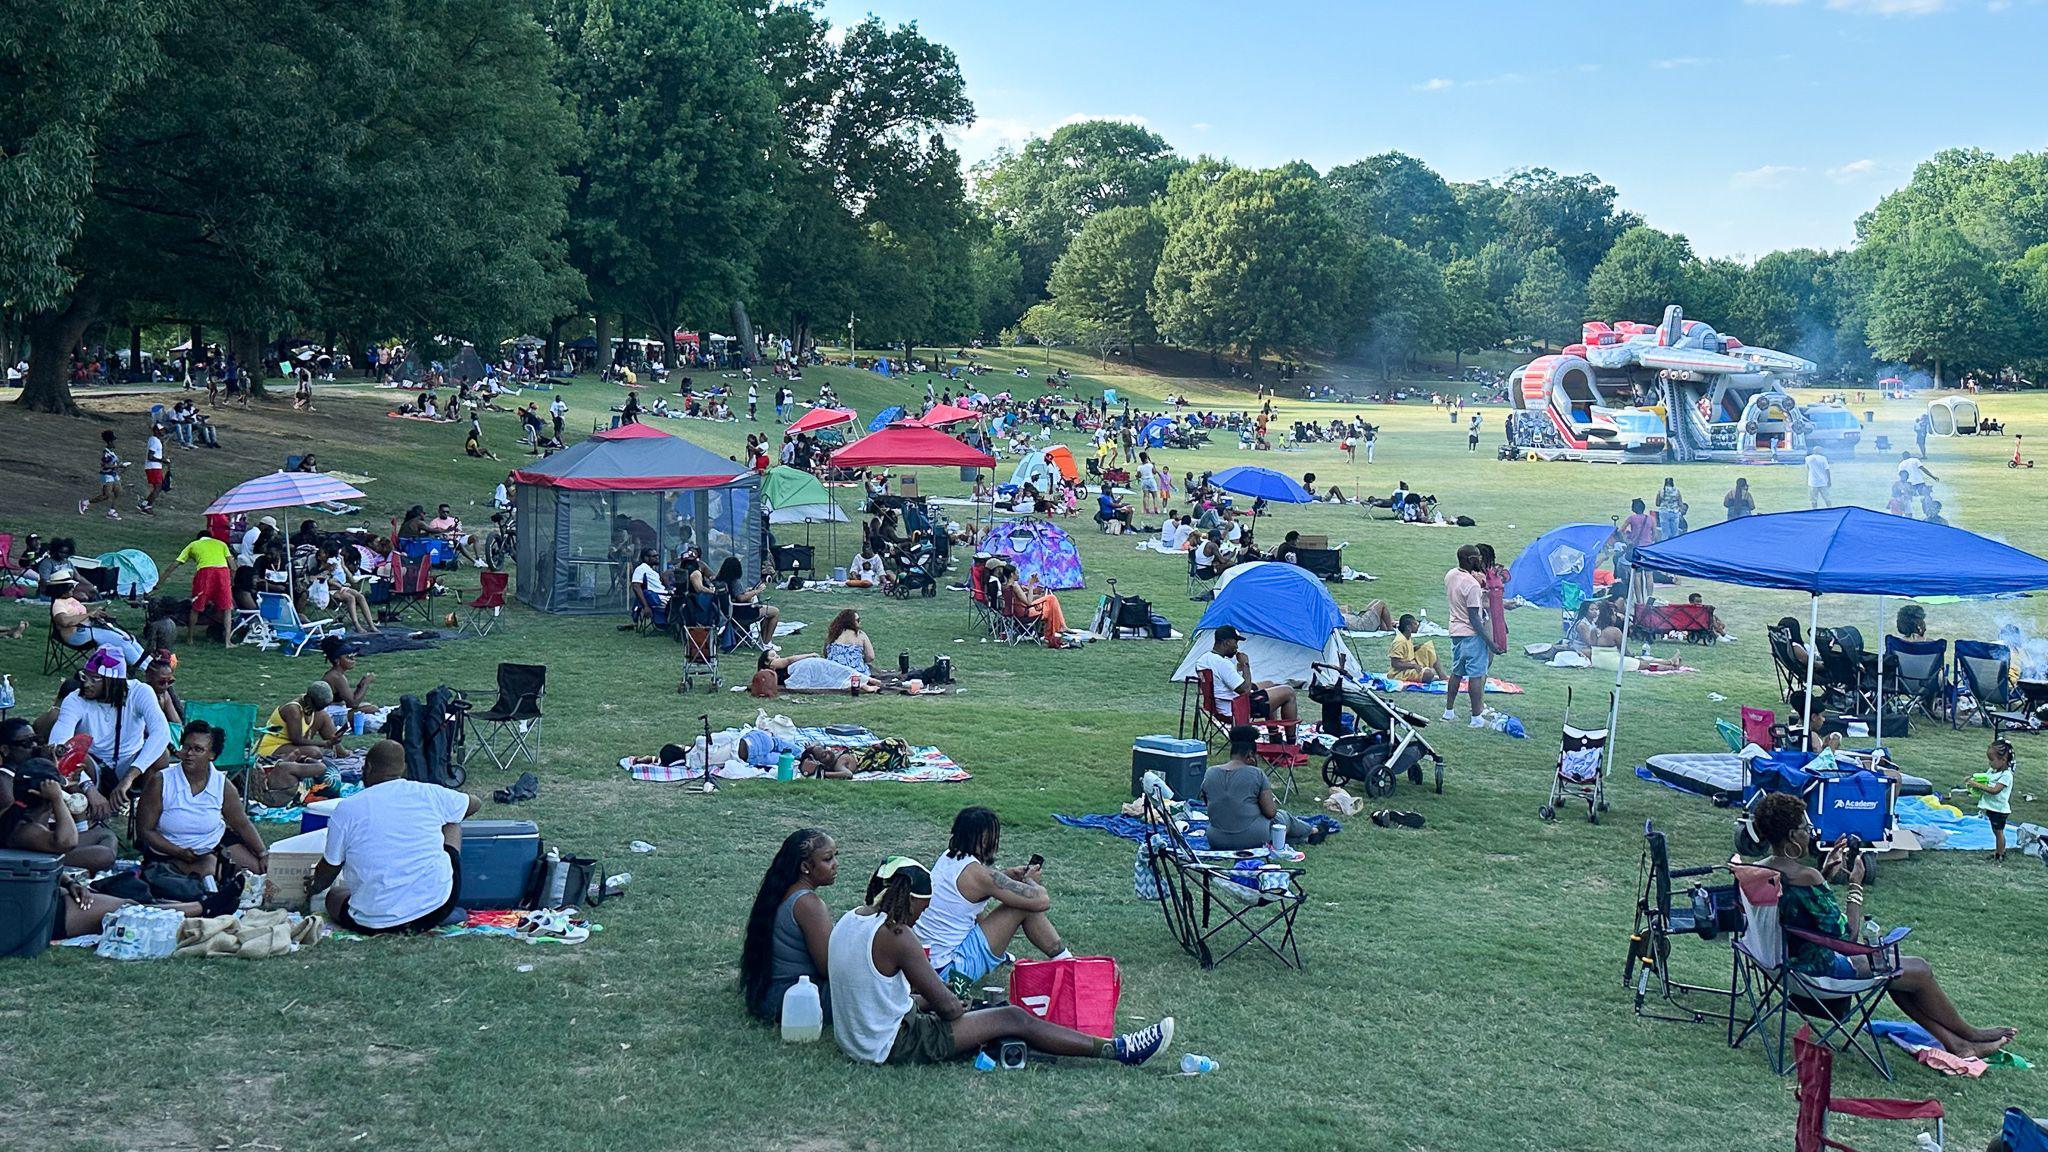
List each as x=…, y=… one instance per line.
x=906, y=487
x=292, y=861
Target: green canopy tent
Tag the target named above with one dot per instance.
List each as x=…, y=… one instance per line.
x=794, y=496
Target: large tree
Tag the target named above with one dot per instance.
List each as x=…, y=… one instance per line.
x=1398, y=196
x=1644, y=271
x=1548, y=303
x=1935, y=299
x=1106, y=274
x=1472, y=322
x=1253, y=260
x=1537, y=208
x=1399, y=294
x=1044, y=192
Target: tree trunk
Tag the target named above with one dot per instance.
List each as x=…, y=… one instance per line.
x=604, y=340
x=134, y=351
x=246, y=346
x=802, y=329
x=743, y=329
x=553, y=350
x=51, y=337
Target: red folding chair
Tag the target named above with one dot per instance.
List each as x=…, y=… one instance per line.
x=412, y=585
x=1815, y=1065
x=490, y=601
x=7, y=565
x=1215, y=722
x=1756, y=727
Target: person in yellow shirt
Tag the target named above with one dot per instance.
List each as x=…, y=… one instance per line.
x=212, y=578
x=1413, y=663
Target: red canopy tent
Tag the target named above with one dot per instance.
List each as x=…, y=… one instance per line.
x=818, y=418
x=944, y=414
x=910, y=444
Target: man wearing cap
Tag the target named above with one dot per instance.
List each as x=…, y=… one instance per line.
x=889, y=1007
x=75, y=626
x=213, y=577
x=1231, y=672
x=254, y=534
x=127, y=726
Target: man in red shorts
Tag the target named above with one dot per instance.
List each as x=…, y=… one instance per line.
x=212, y=580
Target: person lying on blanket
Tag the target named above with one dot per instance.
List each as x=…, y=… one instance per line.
x=1374, y=617
x=877, y=963
x=1412, y=663
x=810, y=672
x=396, y=847
x=1240, y=800
x=1231, y=672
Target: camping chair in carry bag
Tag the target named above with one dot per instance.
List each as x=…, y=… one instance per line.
x=431, y=731
x=1769, y=991
x=1707, y=911
x=1817, y=1100
x=510, y=727
x=1205, y=896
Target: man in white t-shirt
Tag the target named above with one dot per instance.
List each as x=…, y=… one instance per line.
x=396, y=847
x=1230, y=672
x=1918, y=479
x=153, y=468
x=1818, y=479
x=650, y=591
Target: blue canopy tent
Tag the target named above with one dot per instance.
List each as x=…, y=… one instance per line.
x=1849, y=550
x=1154, y=435
x=1557, y=563
x=885, y=417
x=1289, y=621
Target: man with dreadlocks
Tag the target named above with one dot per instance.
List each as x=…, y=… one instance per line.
x=877, y=963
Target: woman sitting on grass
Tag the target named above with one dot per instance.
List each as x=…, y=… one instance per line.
x=789, y=926
x=847, y=644
x=184, y=817
x=891, y=1008
x=1809, y=904
x=297, y=737
x=1599, y=626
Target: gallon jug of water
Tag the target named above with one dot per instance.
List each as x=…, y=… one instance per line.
x=803, y=1015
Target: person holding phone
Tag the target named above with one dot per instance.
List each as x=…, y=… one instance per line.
x=976, y=909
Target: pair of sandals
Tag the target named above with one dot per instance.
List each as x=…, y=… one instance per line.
x=1391, y=818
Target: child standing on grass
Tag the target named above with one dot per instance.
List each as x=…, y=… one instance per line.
x=1994, y=792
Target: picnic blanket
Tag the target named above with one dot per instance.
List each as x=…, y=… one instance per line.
x=1135, y=829
x=396, y=638
x=1942, y=825
x=503, y=924
x=928, y=765
x=1427, y=628
x=1379, y=683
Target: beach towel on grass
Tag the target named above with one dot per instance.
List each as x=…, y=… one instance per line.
x=927, y=765
x=503, y=924
x=1379, y=683
x=1197, y=828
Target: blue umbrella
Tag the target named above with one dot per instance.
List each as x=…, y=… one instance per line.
x=1262, y=484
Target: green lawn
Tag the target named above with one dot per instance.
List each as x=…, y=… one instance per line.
x=1462, y=984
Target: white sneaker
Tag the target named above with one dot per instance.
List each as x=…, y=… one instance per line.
x=1477, y=722
x=84, y=506
x=1450, y=714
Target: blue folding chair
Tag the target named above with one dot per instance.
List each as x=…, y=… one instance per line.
x=282, y=618
x=2022, y=1133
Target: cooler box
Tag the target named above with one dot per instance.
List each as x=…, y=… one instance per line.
x=1180, y=762
x=292, y=861
x=497, y=863
x=317, y=814
x=28, y=901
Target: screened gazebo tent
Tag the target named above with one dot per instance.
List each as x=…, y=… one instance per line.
x=585, y=513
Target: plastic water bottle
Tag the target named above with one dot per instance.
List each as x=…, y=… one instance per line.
x=6, y=692
x=1278, y=840
x=785, y=767
x=1926, y=1143
x=803, y=1014
x=558, y=879
x=1195, y=1065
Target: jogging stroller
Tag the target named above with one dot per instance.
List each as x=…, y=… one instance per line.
x=1581, y=768
x=1385, y=742
x=917, y=572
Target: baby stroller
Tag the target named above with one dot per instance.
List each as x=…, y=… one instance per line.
x=917, y=571
x=1385, y=742
x=1581, y=768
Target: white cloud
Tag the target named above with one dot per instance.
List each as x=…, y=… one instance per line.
x=1080, y=117
x=1765, y=176
x=1890, y=7
x=1997, y=5
x=1671, y=62
x=1853, y=171
x=1200, y=126
x=1435, y=84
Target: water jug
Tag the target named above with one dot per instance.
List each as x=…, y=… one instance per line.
x=803, y=1015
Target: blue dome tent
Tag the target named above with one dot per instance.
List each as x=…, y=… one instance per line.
x=1289, y=621
x=1556, y=571
x=885, y=417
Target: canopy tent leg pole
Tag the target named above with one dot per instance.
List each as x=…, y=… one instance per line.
x=1812, y=643
x=1628, y=604
x=1880, y=670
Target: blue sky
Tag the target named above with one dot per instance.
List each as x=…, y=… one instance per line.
x=1747, y=126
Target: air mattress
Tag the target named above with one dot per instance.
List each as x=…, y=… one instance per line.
x=1719, y=775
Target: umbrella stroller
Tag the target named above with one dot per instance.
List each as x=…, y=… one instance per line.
x=1580, y=771
x=1385, y=742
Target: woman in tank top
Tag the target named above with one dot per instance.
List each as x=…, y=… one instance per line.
x=789, y=927
x=185, y=814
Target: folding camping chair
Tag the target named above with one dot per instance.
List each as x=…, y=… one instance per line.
x=1817, y=1100
x=510, y=728
x=1769, y=991
x=409, y=587
x=1983, y=679
x=236, y=723
x=1915, y=676
x=792, y=559
x=1015, y=625
x=8, y=568
x=1201, y=583
x=1756, y=728
x=1205, y=895
x=1842, y=679
x=649, y=609
x=2020, y=1133
x=1214, y=723
x=490, y=601
x=746, y=634
x=1791, y=672
x=1709, y=910
x=281, y=618
x=61, y=658
x=981, y=611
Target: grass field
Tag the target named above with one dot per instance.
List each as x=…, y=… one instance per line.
x=1462, y=982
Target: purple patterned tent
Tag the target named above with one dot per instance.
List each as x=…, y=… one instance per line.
x=1038, y=548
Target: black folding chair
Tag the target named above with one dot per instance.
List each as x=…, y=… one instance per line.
x=1841, y=679
x=510, y=728
x=1709, y=910
x=1201, y=581
x=1984, y=675
x=1204, y=897
x=1791, y=672
x=60, y=659
x=1915, y=676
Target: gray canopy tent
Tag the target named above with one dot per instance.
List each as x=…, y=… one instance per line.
x=585, y=513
